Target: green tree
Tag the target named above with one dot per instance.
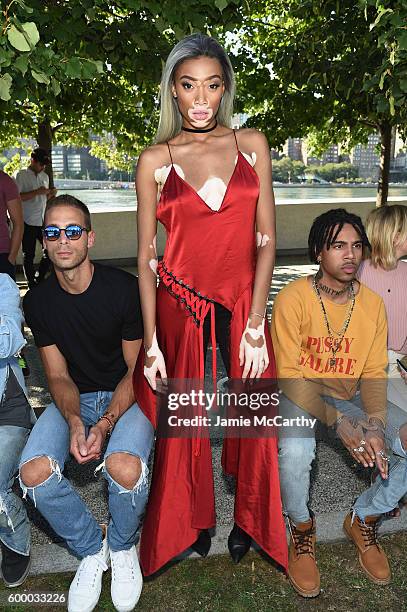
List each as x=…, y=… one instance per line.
x=15, y=164
x=337, y=67
x=333, y=172
x=286, y=170
x=95, y=66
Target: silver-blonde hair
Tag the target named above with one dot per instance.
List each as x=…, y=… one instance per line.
x=190, y=47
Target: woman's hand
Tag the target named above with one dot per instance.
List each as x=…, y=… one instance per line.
x=154, y=363
x=367, y=446
x=253, y=348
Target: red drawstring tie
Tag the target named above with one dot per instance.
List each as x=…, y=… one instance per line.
x=199, y=307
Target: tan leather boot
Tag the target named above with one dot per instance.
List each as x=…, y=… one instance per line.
x=372, y=557
x=302, y=567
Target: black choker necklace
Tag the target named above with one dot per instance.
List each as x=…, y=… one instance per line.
x=198, y=131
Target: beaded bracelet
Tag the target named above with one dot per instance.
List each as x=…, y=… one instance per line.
x=108, y=416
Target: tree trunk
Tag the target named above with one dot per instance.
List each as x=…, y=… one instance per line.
x=385, y=150
x=45, y=142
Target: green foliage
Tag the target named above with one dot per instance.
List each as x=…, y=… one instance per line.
x=109, y=150
x=286, y=170
x=33, y=54
x=96, y=65
x=338, y=68
x=390, y=31
x=321, y=64
x=15, y=164
x=336, y=172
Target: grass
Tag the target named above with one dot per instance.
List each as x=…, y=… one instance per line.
x=216, y=584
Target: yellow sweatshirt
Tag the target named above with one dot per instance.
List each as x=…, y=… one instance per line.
x=302, y=349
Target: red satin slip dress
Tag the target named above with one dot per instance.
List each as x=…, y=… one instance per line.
x=210, y=256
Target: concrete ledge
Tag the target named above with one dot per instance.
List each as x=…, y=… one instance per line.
x=54, y=558
x=116, y=230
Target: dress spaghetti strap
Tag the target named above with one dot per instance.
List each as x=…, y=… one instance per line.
x=237, y=146
x=169, y=151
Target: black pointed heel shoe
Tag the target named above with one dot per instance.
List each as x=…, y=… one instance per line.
x=239, y=543
x=202, y=544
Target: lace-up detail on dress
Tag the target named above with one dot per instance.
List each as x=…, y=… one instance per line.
x=197, y=304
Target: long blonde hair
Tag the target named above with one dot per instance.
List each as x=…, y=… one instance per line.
x=386, y=227
x=190, y=47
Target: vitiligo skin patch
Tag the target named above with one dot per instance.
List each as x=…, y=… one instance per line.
x=253, y=350
x=262, y=239
x=212, y=191
x=153, y=263
x=150, y=372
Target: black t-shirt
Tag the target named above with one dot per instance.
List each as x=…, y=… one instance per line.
x=88, y=328
x=14, y=407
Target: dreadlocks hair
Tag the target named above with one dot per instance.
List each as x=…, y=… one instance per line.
x=326, y=227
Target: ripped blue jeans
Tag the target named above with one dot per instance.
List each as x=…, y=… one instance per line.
x=56, y=498
x=14, y=525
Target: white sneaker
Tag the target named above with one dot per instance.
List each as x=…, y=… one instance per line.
x=86, y=587
x=127, y=580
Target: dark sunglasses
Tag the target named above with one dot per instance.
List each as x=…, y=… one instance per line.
x=72, y=232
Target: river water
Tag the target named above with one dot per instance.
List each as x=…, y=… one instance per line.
x=108, y=199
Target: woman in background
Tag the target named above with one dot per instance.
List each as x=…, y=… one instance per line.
x=386, y=274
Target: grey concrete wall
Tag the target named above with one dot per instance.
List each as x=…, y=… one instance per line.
x=116, y=231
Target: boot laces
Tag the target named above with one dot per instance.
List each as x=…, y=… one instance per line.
x=303, y=541
x=369, y=533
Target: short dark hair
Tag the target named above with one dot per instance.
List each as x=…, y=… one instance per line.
x=326, y=227
x=40, y=155
x=68, y=200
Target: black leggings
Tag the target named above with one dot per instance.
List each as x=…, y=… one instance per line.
x=222, y=330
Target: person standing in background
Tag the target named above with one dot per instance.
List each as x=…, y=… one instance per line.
x=33, y=184
x=10, y=206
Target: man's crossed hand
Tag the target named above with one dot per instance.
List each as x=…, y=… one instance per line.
x=85, y=449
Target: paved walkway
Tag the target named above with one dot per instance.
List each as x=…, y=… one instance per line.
x=336, y=479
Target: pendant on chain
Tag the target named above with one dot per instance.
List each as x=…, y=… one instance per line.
x=332, y=362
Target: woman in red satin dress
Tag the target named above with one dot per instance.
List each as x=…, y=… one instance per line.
x=211, y=188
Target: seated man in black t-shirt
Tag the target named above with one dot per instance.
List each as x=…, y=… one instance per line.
x=86, y=321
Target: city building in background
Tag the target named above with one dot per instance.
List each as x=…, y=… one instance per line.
x=293, y=149
x=366, y=157
x=76, y=162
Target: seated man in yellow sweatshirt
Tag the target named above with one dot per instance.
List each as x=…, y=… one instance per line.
x=330, y=340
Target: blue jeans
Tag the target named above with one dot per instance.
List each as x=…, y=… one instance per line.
x=297, y=452
x=58, y=501
x=14, y=525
